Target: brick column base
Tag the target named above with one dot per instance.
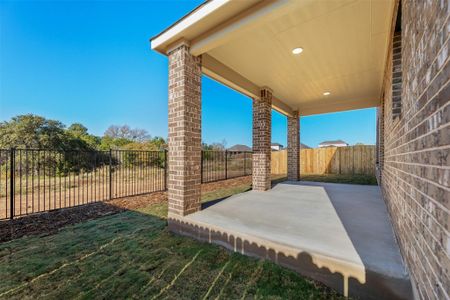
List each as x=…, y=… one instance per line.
x=293, y=149
x=262, y=129
x=184, y=176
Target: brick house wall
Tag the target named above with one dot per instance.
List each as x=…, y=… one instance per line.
x=414, y=155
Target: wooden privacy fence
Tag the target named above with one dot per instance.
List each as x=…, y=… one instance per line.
x=330, y=160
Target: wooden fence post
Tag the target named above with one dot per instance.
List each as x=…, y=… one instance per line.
x=110, y=174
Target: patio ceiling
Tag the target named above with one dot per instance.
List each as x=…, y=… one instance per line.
x=248, y=44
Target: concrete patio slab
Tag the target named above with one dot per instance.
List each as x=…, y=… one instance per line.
x=339, y=234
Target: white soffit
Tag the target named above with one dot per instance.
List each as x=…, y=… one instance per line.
x=345, y=47
x=248, y=44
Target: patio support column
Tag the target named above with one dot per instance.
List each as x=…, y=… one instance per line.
x=184, y=176
x=293, y=149
x=262, y=131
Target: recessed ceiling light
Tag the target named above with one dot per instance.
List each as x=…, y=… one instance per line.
x=326, y=93
x=297, y=50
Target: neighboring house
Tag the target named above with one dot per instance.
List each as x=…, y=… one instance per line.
x=276, y=147
x=303, y=146
x=391, y=55
x=241, y=148
x=336, y=143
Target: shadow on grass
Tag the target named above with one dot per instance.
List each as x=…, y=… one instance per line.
x=132, y=254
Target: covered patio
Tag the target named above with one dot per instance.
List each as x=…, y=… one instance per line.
x=339, y=234
x=299, y=58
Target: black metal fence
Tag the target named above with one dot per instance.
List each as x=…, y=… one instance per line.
x=33, y=180
x=37, y=180
x=221, y=165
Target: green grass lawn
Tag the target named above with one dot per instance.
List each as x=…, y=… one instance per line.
x=222, y=193
x=133, y=255
x=333, y=178
x=339, y=178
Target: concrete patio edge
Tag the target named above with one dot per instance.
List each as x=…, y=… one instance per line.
x=334, y=273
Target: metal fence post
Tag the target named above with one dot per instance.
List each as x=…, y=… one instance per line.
x=226, y=164
x=353, y=160
x=245, y=158
x=12, y=181
x=165, y=169
x=337, y=150
x=201, y=166
x=110, y=174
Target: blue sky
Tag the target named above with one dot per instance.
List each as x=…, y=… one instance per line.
x=90, y=62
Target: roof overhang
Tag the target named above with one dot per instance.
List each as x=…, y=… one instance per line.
x=200, y=21
x=247, y=45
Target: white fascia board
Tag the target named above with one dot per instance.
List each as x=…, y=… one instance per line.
x=175, y=32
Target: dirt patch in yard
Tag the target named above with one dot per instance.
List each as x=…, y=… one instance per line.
x=142, y=201
x=213, y=186
x=50, y=222
x=136, y=202
x=47, y=223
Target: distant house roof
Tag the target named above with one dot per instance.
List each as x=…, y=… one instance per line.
x=324, y=143
x=239, y=147
x=276, y=144
x=303, y=146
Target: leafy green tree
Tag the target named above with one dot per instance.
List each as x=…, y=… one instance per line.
x=156, y=144
x=205, y=146
x=73, y=148
x=80, y=133
x=154, y=159
x=77, y=129
x=36, y=132
x=108, y=142
x=31, y=131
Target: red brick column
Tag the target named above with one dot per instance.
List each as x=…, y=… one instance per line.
x=293, y=148
x=262, y=130
x=184, y=177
